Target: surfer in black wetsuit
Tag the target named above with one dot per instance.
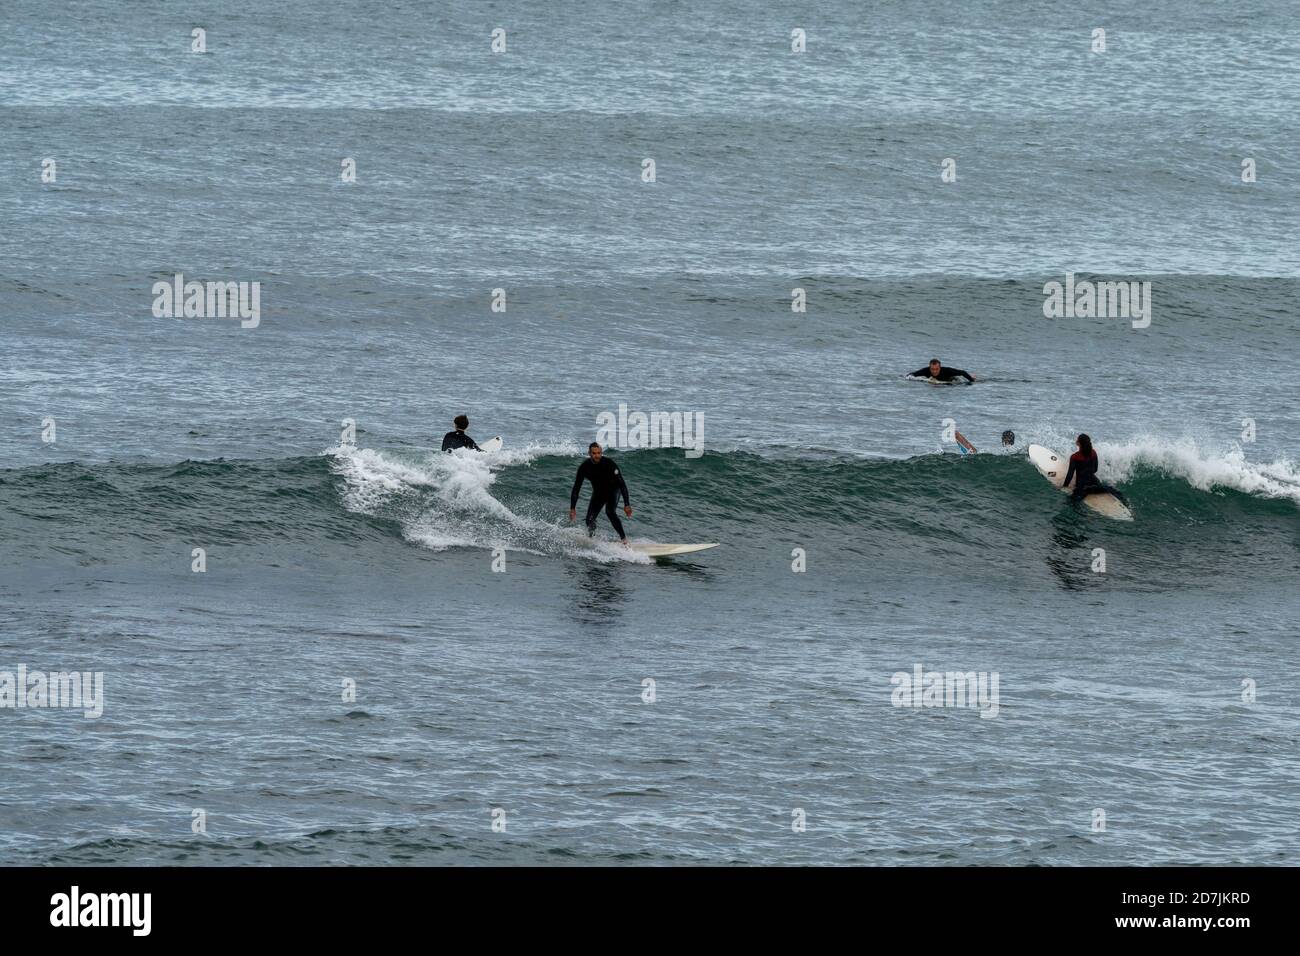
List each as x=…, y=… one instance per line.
x=1083, y=472
x=606, y=485
x=458, y=438
x=942, y=373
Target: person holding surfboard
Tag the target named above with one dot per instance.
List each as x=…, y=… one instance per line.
x=1083, y=472
x=942, y=373
x=606, y=485
x=458, y=438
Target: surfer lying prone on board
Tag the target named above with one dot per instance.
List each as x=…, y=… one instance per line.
x=941, y=373
x=458, y=438
x=1083, y=472
x=606, y=485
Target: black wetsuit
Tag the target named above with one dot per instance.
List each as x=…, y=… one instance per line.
x=1084, y=472
x=606, y=485
x=457, y=439
x=946, y=374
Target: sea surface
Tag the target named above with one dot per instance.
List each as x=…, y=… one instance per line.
x=394, y=656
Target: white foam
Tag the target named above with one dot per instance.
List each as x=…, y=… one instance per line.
x=1203, y=465
x=1206, y=470
x=445, y=501
x=526, y=454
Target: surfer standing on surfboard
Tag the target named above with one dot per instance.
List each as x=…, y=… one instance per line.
x=606, y=485
x=458, y=438
x=941, y=373
x=1083, y=471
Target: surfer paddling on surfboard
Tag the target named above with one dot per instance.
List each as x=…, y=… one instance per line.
x=1083, y=472
x=939, y=372
x=606, y=485
x=458, y=438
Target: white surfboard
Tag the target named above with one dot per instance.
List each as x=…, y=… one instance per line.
x=655, y=550
x=492, y=444
x=1054, y=468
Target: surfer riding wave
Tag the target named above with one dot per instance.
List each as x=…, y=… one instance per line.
x=1083, y=472
x=606, y=485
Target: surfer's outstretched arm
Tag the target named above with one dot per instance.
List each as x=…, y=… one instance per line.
x=577, y=486
x=622, y=486
x=964, y=374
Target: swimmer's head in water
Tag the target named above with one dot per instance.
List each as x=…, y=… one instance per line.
x=935, y=365
x=461, y=422
x=1008, y=437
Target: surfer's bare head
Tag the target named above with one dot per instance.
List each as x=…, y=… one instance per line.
x=462, y=422
x=1084, y=443
x=594, y=451
x=1008, y=437
x=935, y=365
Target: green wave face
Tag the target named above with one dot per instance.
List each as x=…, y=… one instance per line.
x=939, y=515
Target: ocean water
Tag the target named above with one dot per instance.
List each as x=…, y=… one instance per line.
x=389, y=649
